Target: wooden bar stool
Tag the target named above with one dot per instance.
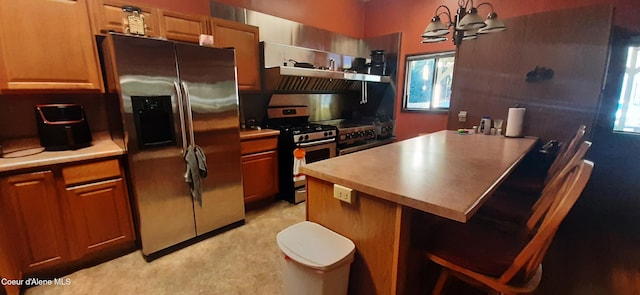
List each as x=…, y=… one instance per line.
x=533, y=181
x=517, y=208
x=515, y=200
x=499, y=261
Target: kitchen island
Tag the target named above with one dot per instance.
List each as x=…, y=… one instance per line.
x=444, y=173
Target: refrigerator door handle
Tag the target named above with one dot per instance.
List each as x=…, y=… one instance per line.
x=181, y=112
x=189, y=112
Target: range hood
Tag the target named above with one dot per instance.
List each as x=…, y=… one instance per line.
x=292, y=79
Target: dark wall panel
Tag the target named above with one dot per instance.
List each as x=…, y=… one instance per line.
x=490, y=72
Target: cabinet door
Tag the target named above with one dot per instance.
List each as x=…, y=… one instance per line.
x=36, y=217
x=107, y=16
x=101, y=215
x=260, y=176
x=245, y=39
x=47, y=45
x=9, y=266
x=182, y=27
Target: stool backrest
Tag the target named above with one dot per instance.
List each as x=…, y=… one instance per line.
x=541, y=206
x=568, y=190
x=566, y=152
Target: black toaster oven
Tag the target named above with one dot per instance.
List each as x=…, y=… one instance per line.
x=62, y=126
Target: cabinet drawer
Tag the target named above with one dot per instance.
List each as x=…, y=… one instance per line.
x=258, y=145
x=91, y=172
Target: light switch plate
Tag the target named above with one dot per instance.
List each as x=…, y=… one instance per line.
x=462, y=116
x=343, y=193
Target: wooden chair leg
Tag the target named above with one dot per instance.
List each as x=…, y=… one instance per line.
x=441, y=283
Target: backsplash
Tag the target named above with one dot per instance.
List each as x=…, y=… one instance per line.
x=17, y=119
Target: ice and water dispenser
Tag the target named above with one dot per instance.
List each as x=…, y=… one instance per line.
x=153, y=119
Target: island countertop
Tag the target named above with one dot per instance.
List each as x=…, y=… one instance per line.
x=443, y=173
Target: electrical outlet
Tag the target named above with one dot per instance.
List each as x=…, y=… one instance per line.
x=343, y=193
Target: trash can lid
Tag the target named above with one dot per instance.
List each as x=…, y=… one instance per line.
x=314, y=245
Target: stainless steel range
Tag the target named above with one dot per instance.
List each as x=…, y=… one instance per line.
x=363, y=133
x=354, y=133
x=317, y=140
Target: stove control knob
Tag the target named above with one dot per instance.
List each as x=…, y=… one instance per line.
x=330, y=133
x=306, y=137
x=301, y=138
x=326, y=133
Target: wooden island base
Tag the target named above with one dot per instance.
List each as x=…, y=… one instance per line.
x=436, y=176
x=379, y=228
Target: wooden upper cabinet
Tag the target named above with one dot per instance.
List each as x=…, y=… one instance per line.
x=47, y=45
x=245, y=39
x=182, y=27
x=107, y=16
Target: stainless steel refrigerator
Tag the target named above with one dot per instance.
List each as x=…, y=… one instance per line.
x=175, y=95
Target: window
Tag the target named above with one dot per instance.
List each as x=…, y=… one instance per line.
x=427, y=84
x=628, y=114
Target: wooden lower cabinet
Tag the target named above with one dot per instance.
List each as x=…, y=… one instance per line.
x=61, y=219
x=259, y=165
x=100, y=215
x=260, y=176
x=36, y=219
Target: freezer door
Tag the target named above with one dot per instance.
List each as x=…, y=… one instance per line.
x=208, y=77
x=147, y=75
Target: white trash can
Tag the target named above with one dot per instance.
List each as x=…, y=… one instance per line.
x=316, y=260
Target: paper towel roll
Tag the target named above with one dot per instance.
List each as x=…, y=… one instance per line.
x=515, y=119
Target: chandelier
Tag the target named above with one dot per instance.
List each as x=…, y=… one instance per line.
x=466, y=24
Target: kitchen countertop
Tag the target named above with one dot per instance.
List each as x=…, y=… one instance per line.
x=246, y=134
x=102, y=147
x=442, y=173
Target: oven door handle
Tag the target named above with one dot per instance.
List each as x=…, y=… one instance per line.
x=308, y=144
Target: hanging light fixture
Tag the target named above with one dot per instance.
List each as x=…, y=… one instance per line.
x=466, y=24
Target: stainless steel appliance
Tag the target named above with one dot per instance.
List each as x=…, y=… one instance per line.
x=62, y=126
x=299, y=77
x=384, y=129
x=378, y=62
x=175, y=96
x=354, y=133
x=317, y=140
x=362, y=133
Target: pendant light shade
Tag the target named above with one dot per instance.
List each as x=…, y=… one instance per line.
x=466, y=23
x=470, y=35
x=493, y=25
x=436, y=28
x=433, y=39
x=471, y=21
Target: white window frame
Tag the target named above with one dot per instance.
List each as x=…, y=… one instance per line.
x=627, y=118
